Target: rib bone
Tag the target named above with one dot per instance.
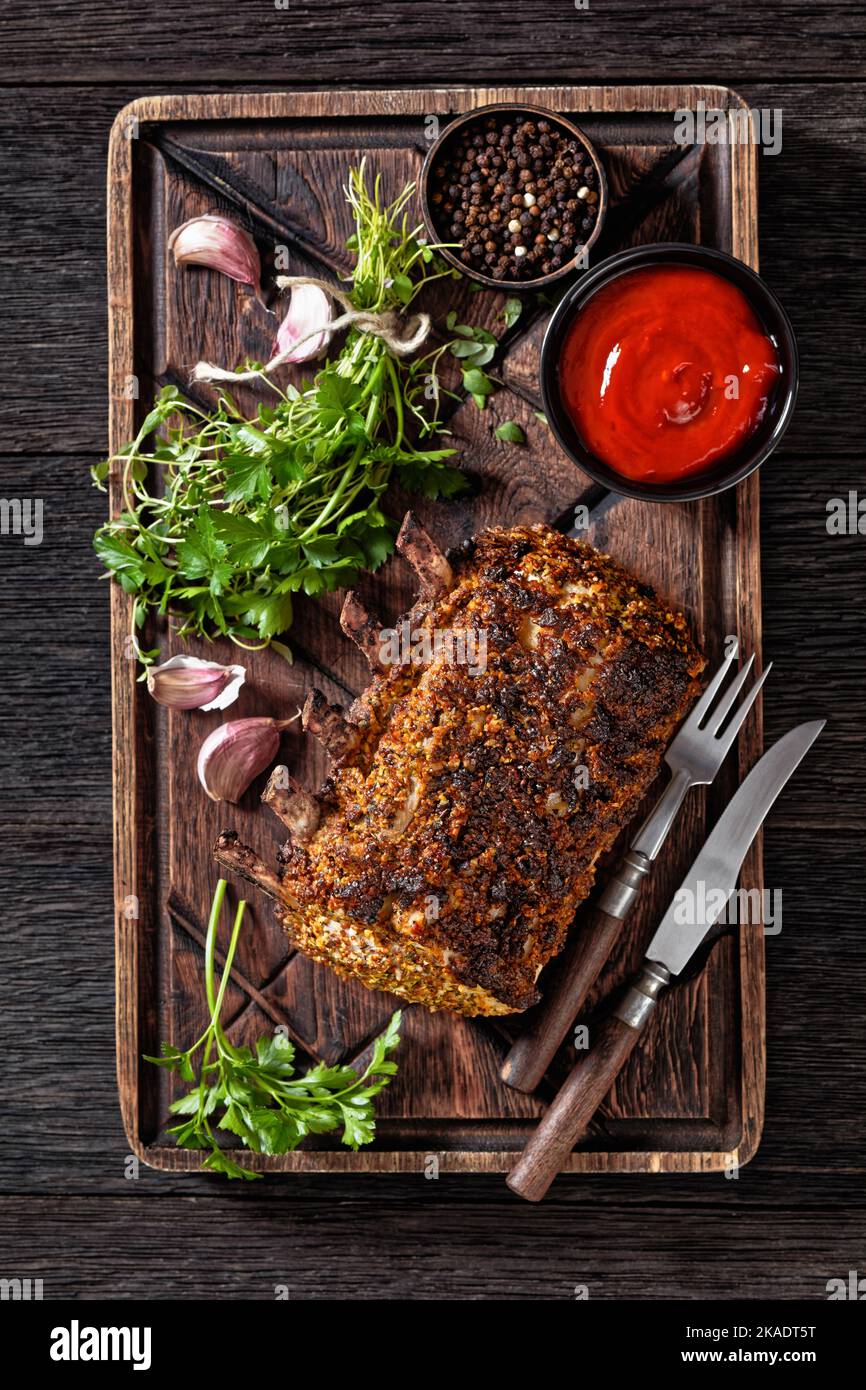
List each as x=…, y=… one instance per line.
x=297, y=808
x=329, y=725
x=244, y=862
x=364, y=629
x=425, y=557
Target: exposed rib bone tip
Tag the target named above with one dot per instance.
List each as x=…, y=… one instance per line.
x=244, y=862
x=297, y=808
x=423, y=554
x=364, y=628
x=329, y=725
x=315, y=709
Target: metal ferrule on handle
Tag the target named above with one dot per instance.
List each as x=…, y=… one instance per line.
x=643, y=994
x=574, y=1105
x=620, y=892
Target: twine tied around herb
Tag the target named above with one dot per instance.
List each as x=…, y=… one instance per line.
x=401, y=338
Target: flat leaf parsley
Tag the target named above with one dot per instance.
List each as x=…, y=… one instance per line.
x=256, y=1095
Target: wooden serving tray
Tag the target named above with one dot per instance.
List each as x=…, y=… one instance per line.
x=691, y=1097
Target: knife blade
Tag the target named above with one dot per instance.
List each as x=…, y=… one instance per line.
x=713, y=876
x=711, y=879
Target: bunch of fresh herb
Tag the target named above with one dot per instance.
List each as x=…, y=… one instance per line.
x=256, y=1095
x=225, y=518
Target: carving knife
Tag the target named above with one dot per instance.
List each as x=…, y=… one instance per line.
x=708, y=886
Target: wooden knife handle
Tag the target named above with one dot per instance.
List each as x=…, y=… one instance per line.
x=570, y=1113
x=576, y=1102
x=574, y=975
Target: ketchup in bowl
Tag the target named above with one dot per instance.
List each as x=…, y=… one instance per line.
x=666, y=370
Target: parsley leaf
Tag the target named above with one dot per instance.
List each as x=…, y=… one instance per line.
x=510, y=432
x=511, y=311
x=247, y=476
x=202, y=555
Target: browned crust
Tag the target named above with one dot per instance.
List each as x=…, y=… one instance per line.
x=460, y=825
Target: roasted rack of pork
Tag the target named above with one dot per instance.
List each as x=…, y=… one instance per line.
x=496, y=754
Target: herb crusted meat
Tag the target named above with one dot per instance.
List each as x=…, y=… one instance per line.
x=475, y=786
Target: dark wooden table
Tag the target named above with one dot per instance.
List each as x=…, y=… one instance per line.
x=72, y=1211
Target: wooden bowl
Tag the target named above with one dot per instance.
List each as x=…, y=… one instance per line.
x=505, y=111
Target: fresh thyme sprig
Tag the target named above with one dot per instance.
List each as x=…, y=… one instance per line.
x=226, y=518
x=260, y=1099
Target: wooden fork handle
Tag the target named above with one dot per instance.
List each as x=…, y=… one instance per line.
x=575, y=1104
x=575, y=973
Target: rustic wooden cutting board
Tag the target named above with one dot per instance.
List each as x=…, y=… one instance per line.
x=691, y=1097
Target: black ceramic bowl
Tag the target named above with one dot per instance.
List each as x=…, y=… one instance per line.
x=438, y=231
x=737, y=465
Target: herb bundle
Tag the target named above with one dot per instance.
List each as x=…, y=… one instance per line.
x=242, y=514
x=262, y=1101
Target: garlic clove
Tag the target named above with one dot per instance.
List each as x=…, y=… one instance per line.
x=234, y=753
x=215, y=242
x=186, y=682
x=309, y=309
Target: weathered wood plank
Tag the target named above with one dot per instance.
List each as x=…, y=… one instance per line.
x=470, y=1251
x=398, y=40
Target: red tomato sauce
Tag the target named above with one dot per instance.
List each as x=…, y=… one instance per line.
x=666, y=370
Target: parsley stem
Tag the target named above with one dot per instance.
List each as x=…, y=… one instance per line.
x=398, y=400
x=215, y=999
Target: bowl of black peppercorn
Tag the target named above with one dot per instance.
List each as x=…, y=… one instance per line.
x=513, y=196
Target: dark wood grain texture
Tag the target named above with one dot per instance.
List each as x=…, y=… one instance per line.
x=424, y=1241
x=404, y=41
x=796, y=1215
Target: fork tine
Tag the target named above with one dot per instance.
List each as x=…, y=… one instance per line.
x=728, y=700
x=738, y=719
x=711, y=691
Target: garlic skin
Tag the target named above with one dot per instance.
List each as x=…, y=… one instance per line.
x=233, y=754
x=309, y=309
x=215, y=242
x=186, y=682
